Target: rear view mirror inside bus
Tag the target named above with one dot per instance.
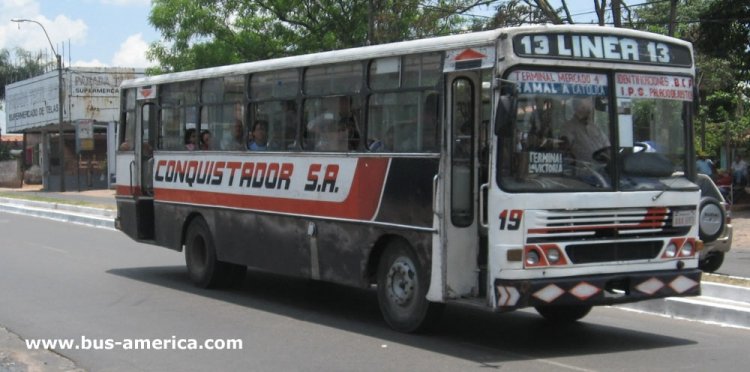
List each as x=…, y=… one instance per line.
x=506, y=108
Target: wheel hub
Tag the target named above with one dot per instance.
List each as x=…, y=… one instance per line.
x=401, y=281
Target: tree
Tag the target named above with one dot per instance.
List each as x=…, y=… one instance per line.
x=722, y=37
x=204, y=33
x=514, y=13
x=562, y=14
x=28, y=65
x=724, y=32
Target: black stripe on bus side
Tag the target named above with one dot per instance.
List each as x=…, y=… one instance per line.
x=407, y=198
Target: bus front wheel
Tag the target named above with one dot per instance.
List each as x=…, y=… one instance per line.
x=204, y=269
x=402, y=290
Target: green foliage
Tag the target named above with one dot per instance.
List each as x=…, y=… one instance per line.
x=205, y=33
x=719, y=114
x=725, y=33
x=27, y=65
x=513, y=13
x=722, y=42
x=654, y=17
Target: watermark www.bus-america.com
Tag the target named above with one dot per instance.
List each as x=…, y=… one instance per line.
x=171, y=343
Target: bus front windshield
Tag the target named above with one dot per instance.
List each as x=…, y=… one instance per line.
x=569, y=136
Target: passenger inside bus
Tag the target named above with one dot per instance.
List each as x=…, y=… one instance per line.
x=331, y=135
x=348, y=119
x=205, y=140
x=259, y=141
x=125, y=146
x=334, y=124
x=249, y=139
x=290, y=125
x=191, y=139
x=582, y=136
x=237, y=142
x=384, y=144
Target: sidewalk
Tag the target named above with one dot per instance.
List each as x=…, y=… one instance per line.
x=94, y=198
x=94, y=207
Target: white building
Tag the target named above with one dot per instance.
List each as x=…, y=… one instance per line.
x=90, y=110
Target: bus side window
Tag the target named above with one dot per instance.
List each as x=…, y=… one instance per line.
x=403, y=122
x=281, y=124
x=126, y=131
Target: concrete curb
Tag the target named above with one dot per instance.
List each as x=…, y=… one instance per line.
x=719, y=303
x=89, y=216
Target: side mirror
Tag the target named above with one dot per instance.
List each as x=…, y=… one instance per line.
x=507, y=108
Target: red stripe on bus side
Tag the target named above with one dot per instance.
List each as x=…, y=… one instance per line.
x=121, y=190
x=361, y=203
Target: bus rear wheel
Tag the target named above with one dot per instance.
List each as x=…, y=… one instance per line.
x=563, y=314
x=204, y=269
x=402, y=290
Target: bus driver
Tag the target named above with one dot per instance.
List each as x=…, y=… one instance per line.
x=582, y=137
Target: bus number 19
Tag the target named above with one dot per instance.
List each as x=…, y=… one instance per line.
x=511, y=219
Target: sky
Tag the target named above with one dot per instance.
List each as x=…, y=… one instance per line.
x=112, y=33
x=100, y=32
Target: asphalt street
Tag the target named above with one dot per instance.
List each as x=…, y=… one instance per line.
x=76, y=281
x=143, y=267
x=737, y=260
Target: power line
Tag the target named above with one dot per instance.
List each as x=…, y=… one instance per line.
x=630, y=6
x=647, y=3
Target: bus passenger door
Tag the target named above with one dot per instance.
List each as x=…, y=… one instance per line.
x=143, y=172
x=461, y=225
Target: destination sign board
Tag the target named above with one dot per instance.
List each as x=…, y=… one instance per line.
x=598, y=47
x=560, y=83
x=632, y=85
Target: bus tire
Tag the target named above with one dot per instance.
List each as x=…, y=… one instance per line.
x=402, y=290
x=204, y=269
x=711, y=262
x=563, y=314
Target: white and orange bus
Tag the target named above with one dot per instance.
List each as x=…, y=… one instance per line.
x=547, y=166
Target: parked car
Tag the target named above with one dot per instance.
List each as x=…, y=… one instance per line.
x=715, y=228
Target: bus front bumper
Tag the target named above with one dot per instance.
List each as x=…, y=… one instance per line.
x=596, y=289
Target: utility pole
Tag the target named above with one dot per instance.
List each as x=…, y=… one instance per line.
x=672, y=16
x=60, y=98
x=616, y=16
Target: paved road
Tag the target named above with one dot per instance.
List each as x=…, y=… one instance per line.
x=76, y=281
x=737, y=261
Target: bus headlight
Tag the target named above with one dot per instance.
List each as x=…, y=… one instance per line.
x=671, y=250
x=687, y=249
x=553, y=256
x=532, y=258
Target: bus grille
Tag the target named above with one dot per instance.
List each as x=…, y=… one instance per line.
x=559, y=226
x=618, y=251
